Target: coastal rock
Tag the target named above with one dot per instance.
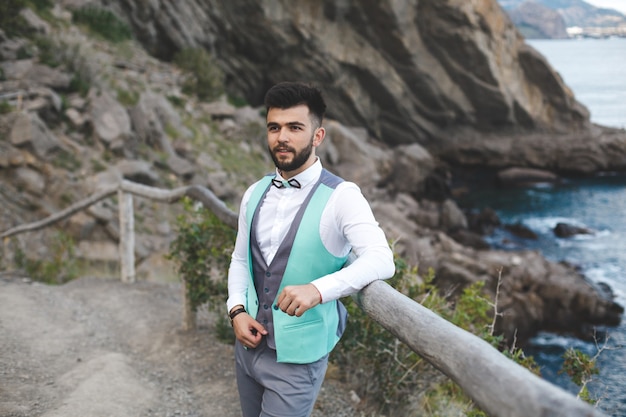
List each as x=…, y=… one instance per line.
x=535, y=294
x=356, y=157
x=569, y=230
x=584, y=152
x=525, y=176
x=483, y=222
x=413, y=164
x=520, y=230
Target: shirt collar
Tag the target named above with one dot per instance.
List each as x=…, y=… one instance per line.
x=308, y=176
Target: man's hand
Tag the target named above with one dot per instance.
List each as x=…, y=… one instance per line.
x=296, y=299
x=248, y=331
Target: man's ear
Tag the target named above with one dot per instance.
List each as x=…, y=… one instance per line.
x=318, y=136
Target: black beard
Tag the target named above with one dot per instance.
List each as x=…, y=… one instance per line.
x=299, y=159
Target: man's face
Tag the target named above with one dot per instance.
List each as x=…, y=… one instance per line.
x=292, y=139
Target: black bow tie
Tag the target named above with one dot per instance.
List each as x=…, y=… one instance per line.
x=284, y=184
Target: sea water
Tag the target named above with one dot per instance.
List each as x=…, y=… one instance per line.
x=595, y=70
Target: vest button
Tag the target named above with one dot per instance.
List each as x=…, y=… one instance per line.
x=265, y=321
x=266, y=290
x=265, y=306
x=268, y=274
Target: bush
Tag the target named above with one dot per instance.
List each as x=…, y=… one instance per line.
x=202, y=251
x=5, y=107
x=50, y=51
x=203, y=77
x=42, y=5
x=61, y=265
x=80, y=85
x=581, y=368
x=10, y=20
x=103, y=22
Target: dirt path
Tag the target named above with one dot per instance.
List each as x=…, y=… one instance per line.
x=100, y=348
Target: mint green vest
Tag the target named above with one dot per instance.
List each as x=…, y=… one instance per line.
x=307, y=338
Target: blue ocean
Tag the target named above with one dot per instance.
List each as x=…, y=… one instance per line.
x=595, y=70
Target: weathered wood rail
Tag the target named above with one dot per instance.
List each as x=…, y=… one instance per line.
x=499, y=386
x=125, y=190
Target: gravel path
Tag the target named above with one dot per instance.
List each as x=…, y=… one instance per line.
x=100, y=348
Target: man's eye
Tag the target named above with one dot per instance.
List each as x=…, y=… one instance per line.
x=272, y=128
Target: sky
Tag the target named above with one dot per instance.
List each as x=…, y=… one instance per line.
x=619, y=5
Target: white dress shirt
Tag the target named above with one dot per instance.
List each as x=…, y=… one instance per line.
x=347, y=223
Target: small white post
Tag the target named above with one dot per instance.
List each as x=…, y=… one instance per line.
x=127, y=236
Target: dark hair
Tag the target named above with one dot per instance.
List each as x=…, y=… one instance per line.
x=290, y=94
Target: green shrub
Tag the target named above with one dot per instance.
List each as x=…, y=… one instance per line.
x=382, y=369
x=237, y=101
x=5, y=107
x=80, y=85
x=103, y=22
x=66, y=160
x=49, y=51
x=10, y=20
x=127, y=98
x=203, y=77
x=202, y=251
x=581, y=368
x=41, y=5
x=389, y=374
x=176, y=101
x=26, y=51
x=59, y=267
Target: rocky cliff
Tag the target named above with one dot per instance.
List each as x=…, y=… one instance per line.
x=575, y=12
x=410, y=84
x=536, y=21
x=432, y=72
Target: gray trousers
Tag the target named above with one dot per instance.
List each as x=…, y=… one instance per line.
x=271, y=389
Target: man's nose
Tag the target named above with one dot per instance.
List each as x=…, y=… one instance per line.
x=283, y=135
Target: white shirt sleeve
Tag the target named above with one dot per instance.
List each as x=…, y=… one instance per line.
x=238, y=272
x=354, y=221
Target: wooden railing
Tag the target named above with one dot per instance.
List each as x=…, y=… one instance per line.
x=125, y=190
x=499, y=386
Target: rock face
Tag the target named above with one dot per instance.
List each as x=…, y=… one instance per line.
x=432, y=72
x=411, y=71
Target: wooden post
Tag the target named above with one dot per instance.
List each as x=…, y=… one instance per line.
x=189, y=315
x=127, y=236
x=499, y=386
